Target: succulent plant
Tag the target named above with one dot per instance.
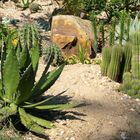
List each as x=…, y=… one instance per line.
x=58, y=58
x=29, y=36
x=34, y=7
x=19, y=92
x=106, y=57
x=136, y=55
x=115, y=63
x=127, y=55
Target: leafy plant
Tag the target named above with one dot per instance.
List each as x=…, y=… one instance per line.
x=19, y=92
x=26, y=3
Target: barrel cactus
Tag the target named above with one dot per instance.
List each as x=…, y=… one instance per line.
x=115, y=63
x=106, y=57
x=58, y=58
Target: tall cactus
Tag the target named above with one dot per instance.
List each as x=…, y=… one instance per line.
x=115, y=64
x=102, y=33
x=112, y=32
x=127, y=55
x=106, y=57
x=94, y=24
x=122, y=26
x=136, y=55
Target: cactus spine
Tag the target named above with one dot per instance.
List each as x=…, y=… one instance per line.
x=106, y=57
x=114, y=66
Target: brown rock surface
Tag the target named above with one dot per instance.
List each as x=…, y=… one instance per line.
x=67, y=31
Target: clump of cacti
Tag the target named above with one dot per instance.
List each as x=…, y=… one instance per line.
x=106, y=57
x=115, y=63
x=58, y=58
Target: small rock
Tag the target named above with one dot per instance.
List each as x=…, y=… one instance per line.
x=124, y=136
x=132, y=109
x=138, y=100
x=62, y=133
x=72, y=138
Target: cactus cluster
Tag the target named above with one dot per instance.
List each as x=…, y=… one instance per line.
x=58, y=58
x=115, y=61
x=131, y=81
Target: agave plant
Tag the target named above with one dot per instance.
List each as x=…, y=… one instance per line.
x=19, y=92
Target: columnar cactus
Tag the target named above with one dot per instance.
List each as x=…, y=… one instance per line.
x=127, y=55
x=115, y=64
x=106, y=57
x=112, y=32
x=102, y=33
x=136, y=55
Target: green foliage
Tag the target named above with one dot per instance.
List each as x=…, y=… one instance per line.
x=106, y=57
x=58, y=58
x=26, y=3
x=115, y=63
x=19, y=92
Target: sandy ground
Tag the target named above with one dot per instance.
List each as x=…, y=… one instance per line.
x=104, y=113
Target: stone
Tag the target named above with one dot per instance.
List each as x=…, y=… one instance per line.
x=68, y=31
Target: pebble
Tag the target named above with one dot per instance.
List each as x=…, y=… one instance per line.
x=72, y=138
x=124, y=136
x=132, y=109
x=62, y=133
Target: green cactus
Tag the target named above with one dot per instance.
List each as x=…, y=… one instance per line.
x=136, y=55
x=127, y=55
x=29, y=35
x=102, y=33
x=122, y=26
x=58, y=58
x=94, y=25
x=112, y=32
x=115, y=64
x=106, y=57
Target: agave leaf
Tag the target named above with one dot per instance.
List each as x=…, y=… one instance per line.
x=46, y=82
x=24, y=59
x=11, y=75
x=29, y=123
x=41, y=122
x=34, y=52
x=31, y=105
x=26, y=84
x=56, y=107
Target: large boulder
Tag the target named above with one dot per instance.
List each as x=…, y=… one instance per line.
x=68, y=31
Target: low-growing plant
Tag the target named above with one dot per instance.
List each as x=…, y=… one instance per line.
x=20, y=93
